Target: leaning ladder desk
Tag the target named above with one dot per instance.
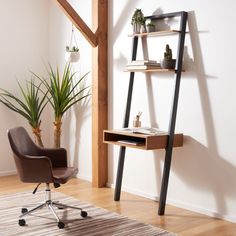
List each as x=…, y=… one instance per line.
x=148, y=142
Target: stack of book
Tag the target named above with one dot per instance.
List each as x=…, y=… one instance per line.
x=144, y=130
x=143, y=65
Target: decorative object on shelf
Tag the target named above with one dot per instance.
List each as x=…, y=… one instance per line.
x=72, y=51
x=151, y=27
x=168, y=62
x=137, y=121
x=138, y=20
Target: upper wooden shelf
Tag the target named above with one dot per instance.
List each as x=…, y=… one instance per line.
x=156, y=33
x=140, y=141
x=151, y=70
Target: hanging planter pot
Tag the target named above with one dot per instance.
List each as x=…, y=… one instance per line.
x=72, y=51
x=72, y=54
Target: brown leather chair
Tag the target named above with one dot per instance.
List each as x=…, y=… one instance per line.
x=40, y=165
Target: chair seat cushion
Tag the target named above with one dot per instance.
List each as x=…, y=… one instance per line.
x=63, y=174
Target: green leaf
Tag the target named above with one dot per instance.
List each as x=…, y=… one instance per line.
x=30, y=105
x=61, y=89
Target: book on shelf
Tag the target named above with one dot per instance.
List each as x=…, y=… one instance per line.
x=131, y=142
x=143, y=67
x=144, y=130
x=143, y=62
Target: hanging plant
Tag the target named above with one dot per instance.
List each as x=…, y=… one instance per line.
x=72, y=51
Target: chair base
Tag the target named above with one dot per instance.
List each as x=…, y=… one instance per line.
x=50, y=205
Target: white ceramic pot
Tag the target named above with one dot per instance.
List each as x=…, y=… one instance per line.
x=136, y=28
x=151, y=28
x=72, y=57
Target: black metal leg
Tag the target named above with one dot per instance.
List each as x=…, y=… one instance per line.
x=169, y=148
x=125, y=124
x=165, y=181
x=119, y=173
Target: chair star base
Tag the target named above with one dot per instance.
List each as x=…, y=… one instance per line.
x=49, y=204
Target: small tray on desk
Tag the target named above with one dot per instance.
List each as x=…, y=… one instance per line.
x=140, y=141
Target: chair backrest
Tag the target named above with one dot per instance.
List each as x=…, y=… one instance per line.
x=21, y=143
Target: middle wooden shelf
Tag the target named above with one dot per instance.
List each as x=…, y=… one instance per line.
x=140, y=141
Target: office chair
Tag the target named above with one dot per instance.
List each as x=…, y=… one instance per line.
x=40, y=165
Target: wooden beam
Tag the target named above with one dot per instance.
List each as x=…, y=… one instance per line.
x=78, y=22
x=99, y=99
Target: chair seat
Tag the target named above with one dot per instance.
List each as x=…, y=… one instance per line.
x=63, y=174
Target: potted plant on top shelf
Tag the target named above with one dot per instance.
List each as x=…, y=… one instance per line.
x=168, y=62
x=72, y=54
x=151, y=27
x=138, y=20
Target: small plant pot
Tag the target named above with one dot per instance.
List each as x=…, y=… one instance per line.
x=72, y=57
x=151, y=28
x=168, y=64
x=136, y=28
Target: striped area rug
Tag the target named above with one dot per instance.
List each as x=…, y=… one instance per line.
x=99, y=221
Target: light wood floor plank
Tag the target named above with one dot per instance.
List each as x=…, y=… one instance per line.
x=176, y=220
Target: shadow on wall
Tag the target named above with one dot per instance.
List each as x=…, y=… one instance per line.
x=203, y=167
x=74, y=120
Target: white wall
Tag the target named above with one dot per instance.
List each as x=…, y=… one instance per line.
x=23, y=47
x=203, y=176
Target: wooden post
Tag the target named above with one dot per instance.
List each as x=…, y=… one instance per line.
x=98, y=41
x=99, y=100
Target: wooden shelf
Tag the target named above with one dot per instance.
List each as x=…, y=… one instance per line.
x=140, y=141
x=151, y=70
x=157, y=33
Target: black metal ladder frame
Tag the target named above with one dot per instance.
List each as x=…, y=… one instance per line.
x=169, y=148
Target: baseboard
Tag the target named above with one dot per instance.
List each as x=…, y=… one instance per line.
x=9, y=172
x=135, y=192
x=179, y=204
x=84, y=177
x=201, y=210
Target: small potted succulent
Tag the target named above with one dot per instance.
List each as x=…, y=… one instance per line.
x=168, y=62
x=72, y=54
x=151, y=27
x=138, y=19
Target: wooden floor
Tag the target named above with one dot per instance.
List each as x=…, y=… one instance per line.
x=176, y=220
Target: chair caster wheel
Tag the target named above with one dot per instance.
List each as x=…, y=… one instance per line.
x=84, y=214
x=60, y=225
x=24, y=210
x=21, y=222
